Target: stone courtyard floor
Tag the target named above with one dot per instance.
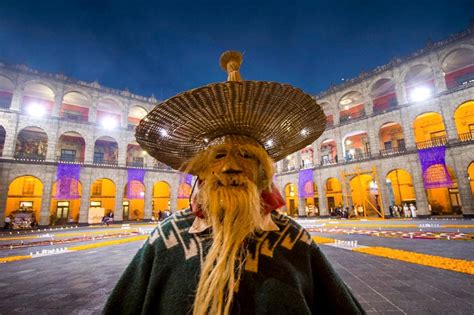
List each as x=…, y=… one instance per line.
x=79, y=281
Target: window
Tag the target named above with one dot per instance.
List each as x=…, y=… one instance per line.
x=97, y=188
x=387, y=145
x=98, y=157
x=68, y=155
x=26, y=204
x=29, y=187
x=95, y=204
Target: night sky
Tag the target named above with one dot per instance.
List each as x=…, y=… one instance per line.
x=166, y=47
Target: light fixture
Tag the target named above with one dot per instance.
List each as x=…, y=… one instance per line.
x=420, y=93
x=142, y=193
x=346, y=107
x=345, y=101
x=108, y=122
x=348, y=142
x=35, y=109
x=144, y=152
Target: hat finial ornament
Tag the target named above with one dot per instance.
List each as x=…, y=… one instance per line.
x=230, y=62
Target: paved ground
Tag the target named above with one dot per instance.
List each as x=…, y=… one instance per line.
x=79, y=282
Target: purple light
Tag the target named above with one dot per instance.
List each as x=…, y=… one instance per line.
x=305, y=184
x=434, y=170
x=67, y=181
x=136, y=178
x=185, y=179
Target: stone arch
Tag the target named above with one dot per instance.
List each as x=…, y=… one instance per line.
x=71, y=147
x=102, y=199
x=135, y=155
x=391, y=138
x=291, y=198
x=429, y=130
x=134, y=199
x=328, y=150
x=38, y=98
x=419, y=82
x=464, y=120
x=364, y=195
x=383, y=95
x=106, y=151
x=333, y=188
x=135, y=114
x=31, y=143
x=445, y=199
x=75, y=106
x=351, y=106
x=6, y=91
x=458, y=66
x=356, y=146
x=400, y=189
x=161, y=197
x=24, y=199
x=65, y=207
x=109, y=112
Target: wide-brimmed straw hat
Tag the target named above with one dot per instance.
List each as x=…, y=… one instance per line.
x=280, y=117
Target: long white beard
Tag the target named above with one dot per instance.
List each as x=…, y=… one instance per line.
x=234, y=213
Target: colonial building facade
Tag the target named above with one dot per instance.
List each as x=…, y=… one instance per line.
x=401, y=134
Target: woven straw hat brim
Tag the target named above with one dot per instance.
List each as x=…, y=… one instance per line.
x=282, y=118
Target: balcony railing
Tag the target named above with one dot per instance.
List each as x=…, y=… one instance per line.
x=466, y=137
x=161, y=166
x=105, y=162
x=436, y=142
x=393, y=151
x=328, y=161
x=29, y=156
x=357, y=157
x=69, y=159
x=352, y=117
x=135, y=164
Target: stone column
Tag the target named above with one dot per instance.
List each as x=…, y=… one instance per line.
x=420, y=191
x=120, y=184
x=122, y=154
x=85, y=197
x=3, y=193
x=46, y=197
x=301, y=206
x=438, y=73
x=407, y=128
x=383, y=191
x=52, y=141
x=10, y=137
x=17, y=97
x=400, y=89
x=174, y=183
x=148, y=200
x=93, y=112
x=464, y=187
x=323, y=201
x=316, y=153
x=58, y=100
x=298, y=160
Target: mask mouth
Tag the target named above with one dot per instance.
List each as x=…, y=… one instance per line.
x=231, y=182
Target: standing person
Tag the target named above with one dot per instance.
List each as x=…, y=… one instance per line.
x=231, y=252
x=406, y=211
x=390, y=210
x=413, y=210
x=8, y=221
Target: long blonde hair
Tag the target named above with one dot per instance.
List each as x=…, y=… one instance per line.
x=234, y=214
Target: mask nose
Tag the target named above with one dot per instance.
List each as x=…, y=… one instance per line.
x=231, y=166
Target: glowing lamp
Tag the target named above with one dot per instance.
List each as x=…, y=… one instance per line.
x=108, y=123
x=35, y=109
x=420, y=94
x=142, y=193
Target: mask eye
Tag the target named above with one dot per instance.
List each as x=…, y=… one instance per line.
x=220, y=156
x=245, y=155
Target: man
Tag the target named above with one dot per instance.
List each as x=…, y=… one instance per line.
x=231, y=252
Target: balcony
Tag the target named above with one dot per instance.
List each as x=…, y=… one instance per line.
x=137, y=164
x=466, y=137
x=344, y=119
x=76, y=117
x=161, y=166
x=105, y=162
x=357, y=157
x=29, y=156
x=69, y=159
x=328, y=161
x=433, y=143
x=393, y=151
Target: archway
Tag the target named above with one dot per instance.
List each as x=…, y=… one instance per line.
x=333, y=194
x=75, y=107
x=109, y=113
x=307, y=155
x=365, y=194
x=289, y=163
x=470, y=174
x=38, y=100
x=351, y=106
x=383, y=95
x=102, y=199
x=6, y=92
x=161, y=198
x=25, y=195
x=328, y=152
x=135, y=155
x=400, y=187
x=312, y=203
x=464, y=119
x=106, y=151
x=135, y=114
x=419, y=83
x=444, y=200
x=65, y=207
x=184, y=191
x=71, y=147
x=31, y=143
x=134, y=201
x=291, y=196
x=391, y=139
x=3, y=134
x=458, y=67
x=429, y=130
x=356, y=146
